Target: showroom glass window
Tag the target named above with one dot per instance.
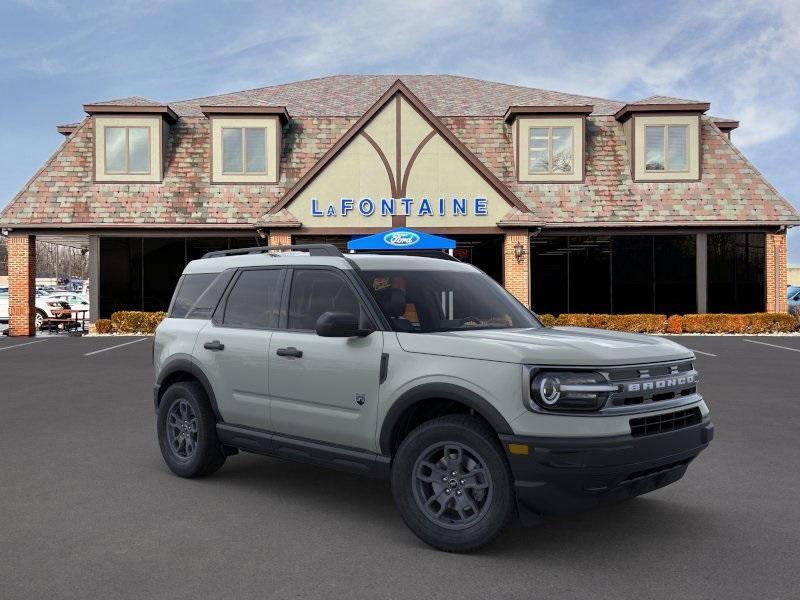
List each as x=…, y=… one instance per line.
x=550, y=150
x=736, y=272
x=666, y=148
x=244, y=150
x=614, y=274
x=127, y=150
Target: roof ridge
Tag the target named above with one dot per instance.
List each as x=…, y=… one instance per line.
x=260, y=88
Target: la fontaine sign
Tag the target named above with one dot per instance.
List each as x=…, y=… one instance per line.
x=389, y=207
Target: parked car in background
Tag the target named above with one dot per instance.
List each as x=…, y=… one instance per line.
x=3, y=304
x=793, y=295
x=47, y=307
x=76, y=301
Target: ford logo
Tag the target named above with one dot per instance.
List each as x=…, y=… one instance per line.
x=401, y=239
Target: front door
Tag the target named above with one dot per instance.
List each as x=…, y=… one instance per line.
x=233, y=348
x=324, y=389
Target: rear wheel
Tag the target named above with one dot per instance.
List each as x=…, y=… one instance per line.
x=187, y=432
x=452, y=484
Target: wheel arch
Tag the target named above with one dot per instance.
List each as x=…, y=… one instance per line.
x=185, y=370
x=417, y=397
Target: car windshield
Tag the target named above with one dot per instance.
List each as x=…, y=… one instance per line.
x=435, y=301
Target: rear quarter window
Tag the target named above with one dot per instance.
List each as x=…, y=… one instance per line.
x=189, y=290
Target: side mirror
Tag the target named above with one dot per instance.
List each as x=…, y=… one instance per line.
x=339, y=324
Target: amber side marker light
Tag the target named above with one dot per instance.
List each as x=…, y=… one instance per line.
x=518, y=449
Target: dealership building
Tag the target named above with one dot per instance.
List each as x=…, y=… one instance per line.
x=573, y=203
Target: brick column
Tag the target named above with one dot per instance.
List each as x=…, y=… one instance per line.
x=775, y=273
x=21, y=284
x=280, y=237
x=516, y=273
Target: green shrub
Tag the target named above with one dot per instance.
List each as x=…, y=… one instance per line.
x=136, y=321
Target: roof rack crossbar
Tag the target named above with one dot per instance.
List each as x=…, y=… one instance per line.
x=312, y=249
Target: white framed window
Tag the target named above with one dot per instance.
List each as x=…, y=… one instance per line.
x=666, y=148
x=244, y=150
x=127, y=150
x=550, y=150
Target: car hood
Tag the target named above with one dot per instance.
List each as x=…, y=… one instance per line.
x=573, y=346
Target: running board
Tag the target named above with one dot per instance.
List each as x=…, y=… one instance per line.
x=341, y=458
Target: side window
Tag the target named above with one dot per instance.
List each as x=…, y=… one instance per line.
x=189, y=290
x=254, y=301
x=316, y=291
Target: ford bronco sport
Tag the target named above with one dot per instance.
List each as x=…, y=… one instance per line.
x=425, y=371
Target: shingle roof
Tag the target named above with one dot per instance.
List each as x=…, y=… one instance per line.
x=63, y=193
x=352, y=95
x=130, y=101
x=665, y=100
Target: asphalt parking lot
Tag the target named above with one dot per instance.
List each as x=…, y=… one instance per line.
x=89, y=510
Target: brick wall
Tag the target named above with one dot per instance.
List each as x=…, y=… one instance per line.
x=21, y=284
x=776, y=273
x=516, y=274
x=278, y=237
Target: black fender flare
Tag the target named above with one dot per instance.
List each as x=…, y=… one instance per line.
x=187, y=366
x=446, y=391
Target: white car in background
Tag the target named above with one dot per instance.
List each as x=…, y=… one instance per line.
x=77, y=301
x=47, y=307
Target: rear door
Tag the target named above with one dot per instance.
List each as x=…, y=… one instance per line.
x=232, y=348
x=321, y=388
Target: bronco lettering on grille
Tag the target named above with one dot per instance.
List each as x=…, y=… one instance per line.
x=660, y=384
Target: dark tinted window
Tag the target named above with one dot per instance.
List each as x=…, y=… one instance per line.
x=189, y=290
x=427, y=301
x=204, y=307
x=736, y=272
x=316, y=291
x=254, y=301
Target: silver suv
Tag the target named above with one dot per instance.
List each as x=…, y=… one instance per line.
x=425, y=371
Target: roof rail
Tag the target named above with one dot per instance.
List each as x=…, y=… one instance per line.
x=312, y=249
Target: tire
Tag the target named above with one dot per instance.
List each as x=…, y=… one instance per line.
x=39, y=318
x=187, y=432
x=480, y=502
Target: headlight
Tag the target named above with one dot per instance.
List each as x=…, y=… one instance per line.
x=570, y=390
x=53, y=304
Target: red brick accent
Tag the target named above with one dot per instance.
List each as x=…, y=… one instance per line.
x=776, y=271
x=516, y=273
x=278, y=237
x=21, y=284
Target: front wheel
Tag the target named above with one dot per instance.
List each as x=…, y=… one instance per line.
x=452, y=484
x=187, y=431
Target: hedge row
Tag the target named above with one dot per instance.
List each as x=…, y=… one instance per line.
x=135, y=321
x=707, y=323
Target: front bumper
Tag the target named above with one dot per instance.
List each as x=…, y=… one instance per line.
x=560, y=476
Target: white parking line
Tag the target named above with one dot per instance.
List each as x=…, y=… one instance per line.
x=20, y=345
x=772, y=345
x=701, y=352
x=115, y=347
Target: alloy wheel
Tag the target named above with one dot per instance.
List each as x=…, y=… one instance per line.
x=452, y=485
x=182, y=429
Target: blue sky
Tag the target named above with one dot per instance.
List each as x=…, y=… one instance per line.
x=56, y=55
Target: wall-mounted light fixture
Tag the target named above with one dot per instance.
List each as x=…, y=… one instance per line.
x=519, y=252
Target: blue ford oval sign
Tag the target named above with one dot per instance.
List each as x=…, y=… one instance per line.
x=401, y=239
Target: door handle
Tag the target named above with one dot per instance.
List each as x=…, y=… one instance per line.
x=215, y=345
x=290, y=351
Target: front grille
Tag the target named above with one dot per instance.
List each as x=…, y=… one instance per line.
x=666, y=422
x=652, y=383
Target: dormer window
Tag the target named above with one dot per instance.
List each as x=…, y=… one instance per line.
x=244, y=150
x=127, y=150
x=666, y=148
x=245, y=143
x=550, y=150
x=548, y=142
